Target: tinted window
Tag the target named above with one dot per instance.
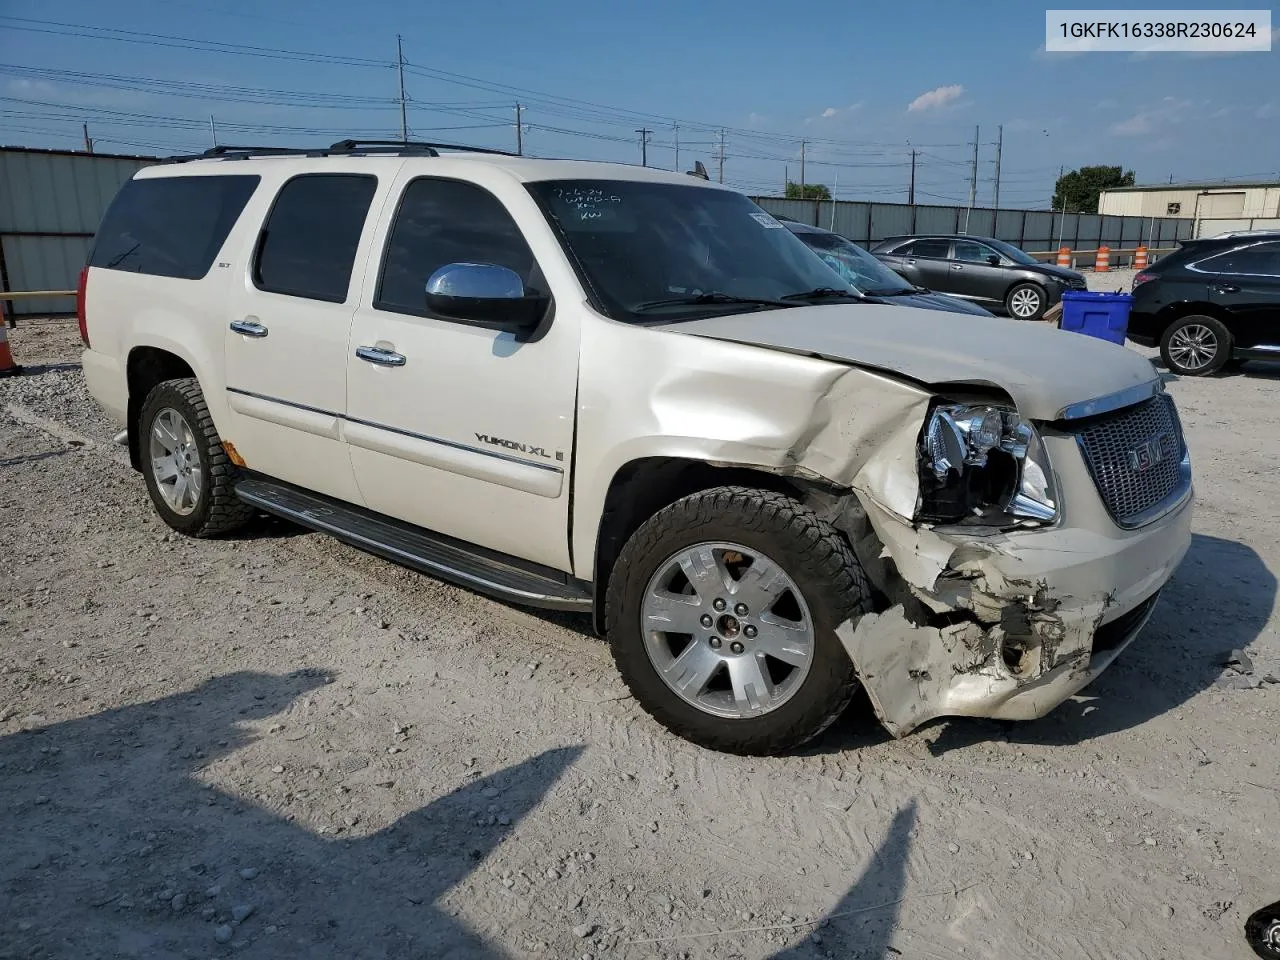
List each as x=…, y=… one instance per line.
x=309, y=241
x=170, y=226
x=972, y=252
x=1260, y=259
x=926, y=248
x=441, y=222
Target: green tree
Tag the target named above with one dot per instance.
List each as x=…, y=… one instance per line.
x=810, y=191
x=1079, y=189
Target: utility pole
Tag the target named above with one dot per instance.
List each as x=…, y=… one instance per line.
x=1062, y=217
x=676, y=128
x=404, y=117
x=973, y=180
x=519, y=132
x=786, y=178
x=644, y=145
x=911, y=190
x=999, y=146
x=802, y=146
x=213, y=130
x=722, y=154
x=88, y=143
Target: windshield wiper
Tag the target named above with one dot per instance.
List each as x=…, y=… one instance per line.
x=705, y=299
x=823, y=293
x=899, y=292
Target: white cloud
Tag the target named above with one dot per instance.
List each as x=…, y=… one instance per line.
x=936, y=98
x=832, y=113
x=1166, y=113
x=1266, y=111
x=755, y=119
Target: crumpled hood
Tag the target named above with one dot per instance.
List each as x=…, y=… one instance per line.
x=1044, y=370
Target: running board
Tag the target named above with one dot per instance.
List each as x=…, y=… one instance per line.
x=476, y=568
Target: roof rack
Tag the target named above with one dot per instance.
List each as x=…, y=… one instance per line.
x=342, y=147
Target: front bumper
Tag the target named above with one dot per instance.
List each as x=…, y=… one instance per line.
x=1010, y=624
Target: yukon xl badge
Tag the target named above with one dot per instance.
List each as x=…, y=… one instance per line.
x=1155, y=450
x=519, y=447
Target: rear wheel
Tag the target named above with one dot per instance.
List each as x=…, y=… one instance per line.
x=721, y=617
x=1026, y=301
x=1195, y=346
x=187, y=472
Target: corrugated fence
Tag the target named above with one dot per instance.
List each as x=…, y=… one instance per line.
x=1035, y=231
x=51, y=202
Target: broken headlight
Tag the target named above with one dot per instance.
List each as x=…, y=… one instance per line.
x=983, y=462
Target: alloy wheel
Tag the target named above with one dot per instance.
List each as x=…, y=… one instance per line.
x=727, y=630
x=1193, y=347
x=1024, y=303
x=175, y=461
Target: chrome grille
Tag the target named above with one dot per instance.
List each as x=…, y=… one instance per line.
x=1136, y=458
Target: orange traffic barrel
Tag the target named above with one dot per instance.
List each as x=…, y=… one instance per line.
x=7, y=367
x=1102, y=263
x=1140, y=258
x=1064, y=256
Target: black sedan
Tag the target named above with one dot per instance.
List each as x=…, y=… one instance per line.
x=1211, y=302
x=987, y=271
x=856, y=266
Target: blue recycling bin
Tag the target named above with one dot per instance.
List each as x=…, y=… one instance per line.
x=1101, y=315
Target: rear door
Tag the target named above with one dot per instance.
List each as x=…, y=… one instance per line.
x=1246, y=283
x=287, y=331
x=924, y=263
x=972, y=275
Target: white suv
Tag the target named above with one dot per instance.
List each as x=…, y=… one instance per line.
x=633, y=393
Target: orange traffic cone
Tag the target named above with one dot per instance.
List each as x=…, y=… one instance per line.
x=7, y=367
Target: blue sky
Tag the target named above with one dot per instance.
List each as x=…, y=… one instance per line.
x=862, y=84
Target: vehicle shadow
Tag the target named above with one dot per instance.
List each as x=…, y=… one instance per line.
x=1220, y=599
x=863, y=922
x=113, y=846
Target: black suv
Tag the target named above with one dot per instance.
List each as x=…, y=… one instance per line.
x=1211, y=302
x=991, y=272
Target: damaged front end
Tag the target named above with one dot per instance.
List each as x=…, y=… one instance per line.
x=1006, y=586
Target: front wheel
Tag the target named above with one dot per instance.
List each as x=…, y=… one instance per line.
x=1196, y=346
x=721, y=617
x=1026, y=301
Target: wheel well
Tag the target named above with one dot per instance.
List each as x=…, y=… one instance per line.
x=147, y=367
x=1176, y=311
x=1026, y=281
x=643, y=487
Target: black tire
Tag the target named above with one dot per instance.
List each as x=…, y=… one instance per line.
x=1023, y=290
x=1197, y=329
x=217, y=510
x=810, y=551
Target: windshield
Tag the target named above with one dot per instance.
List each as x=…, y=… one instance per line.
x=647, y=251
x=855, y=265
x=1012, y=252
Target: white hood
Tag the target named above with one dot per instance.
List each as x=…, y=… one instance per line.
x=1044, y=370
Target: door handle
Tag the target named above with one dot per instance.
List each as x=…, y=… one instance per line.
x=1226, y=288
x=250, y=328
x=911, y=262
x=383, y=358
x=956, y=266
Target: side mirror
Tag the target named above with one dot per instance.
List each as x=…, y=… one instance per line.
x=485, y=295
x=993, y=260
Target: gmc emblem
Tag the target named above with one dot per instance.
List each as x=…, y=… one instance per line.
x=1143, y=458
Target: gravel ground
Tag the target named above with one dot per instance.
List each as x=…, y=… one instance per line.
x=278, y=747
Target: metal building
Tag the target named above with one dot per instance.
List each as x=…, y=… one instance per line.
x=1215, y=207
x=51, y=202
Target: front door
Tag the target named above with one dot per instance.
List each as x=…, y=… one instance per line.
x=972, y=273
x=1246, y=284
x=459, y=429
x=286, y=337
